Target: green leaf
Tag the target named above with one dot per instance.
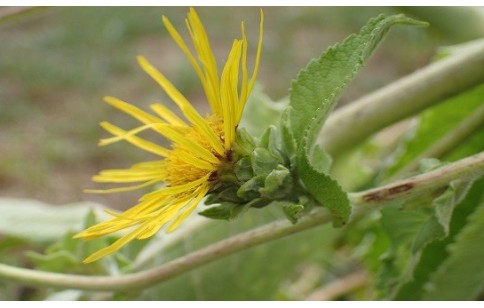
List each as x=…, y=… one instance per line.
x=288, y=143
x=325, y=190
x=434, y=124
x=57, y=261
x=436, y=253
x=461, y=276
x=66, y=254
x=320, y=84
x=263, y=161
x=291, y=210
x=224, y=211
x=468, y=147
x=35, y=221
x=411, y=229
x=263, y=272
x=313, y=96
x=277, y=184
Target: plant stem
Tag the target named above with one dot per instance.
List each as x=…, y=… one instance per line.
x=464, y=169
x=351, y=124
x=171, y=269
x=450, y=141
x=363, y=202
x=339, y=287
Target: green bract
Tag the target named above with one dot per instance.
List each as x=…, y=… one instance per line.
x=286, y=165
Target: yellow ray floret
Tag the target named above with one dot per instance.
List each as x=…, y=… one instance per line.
x=199, y=145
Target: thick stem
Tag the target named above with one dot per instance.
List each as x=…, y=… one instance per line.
x=363, y=202
x=351, y=124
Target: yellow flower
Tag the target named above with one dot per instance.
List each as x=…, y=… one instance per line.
x=200, y=145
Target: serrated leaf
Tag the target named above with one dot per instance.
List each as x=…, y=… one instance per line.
x=461, y=276
x=325, y=190
x=313, y=96
x=410, y=231
x=436, y=253
x=320, y=84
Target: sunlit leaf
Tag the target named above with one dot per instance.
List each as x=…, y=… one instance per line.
x=35, y=221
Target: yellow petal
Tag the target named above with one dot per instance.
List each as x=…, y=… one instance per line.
x=139, y=142
x=114, y=246
x=122, y=189
x=133, y=111
x=194, y=203
x=190, y=113
x=167, y=115
x=126, y=175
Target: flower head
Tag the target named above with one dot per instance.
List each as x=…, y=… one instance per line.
x=200, y=145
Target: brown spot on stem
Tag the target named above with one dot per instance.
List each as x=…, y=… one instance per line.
x=400, y=188
x=387, y=193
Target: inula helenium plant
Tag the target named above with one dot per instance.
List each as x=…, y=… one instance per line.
x=210, y=156
x=404, y=207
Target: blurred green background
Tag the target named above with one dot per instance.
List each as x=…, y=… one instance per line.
x=56, y=64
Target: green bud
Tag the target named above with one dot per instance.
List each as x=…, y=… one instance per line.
x=263, y=162
x=250, y=189
x=270, y=141
x=243, y=169
x=224, y=211
x=244, y=143
x=292, y=211
x=277, y=184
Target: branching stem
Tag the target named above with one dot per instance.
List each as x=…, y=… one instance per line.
x=363, y=202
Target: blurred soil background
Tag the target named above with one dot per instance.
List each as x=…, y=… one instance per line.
x=56, y=64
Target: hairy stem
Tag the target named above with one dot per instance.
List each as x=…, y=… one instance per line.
x=353, y=123
x=363, y=202
x=464, y=169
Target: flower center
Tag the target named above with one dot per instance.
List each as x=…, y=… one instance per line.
x=178, y=167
